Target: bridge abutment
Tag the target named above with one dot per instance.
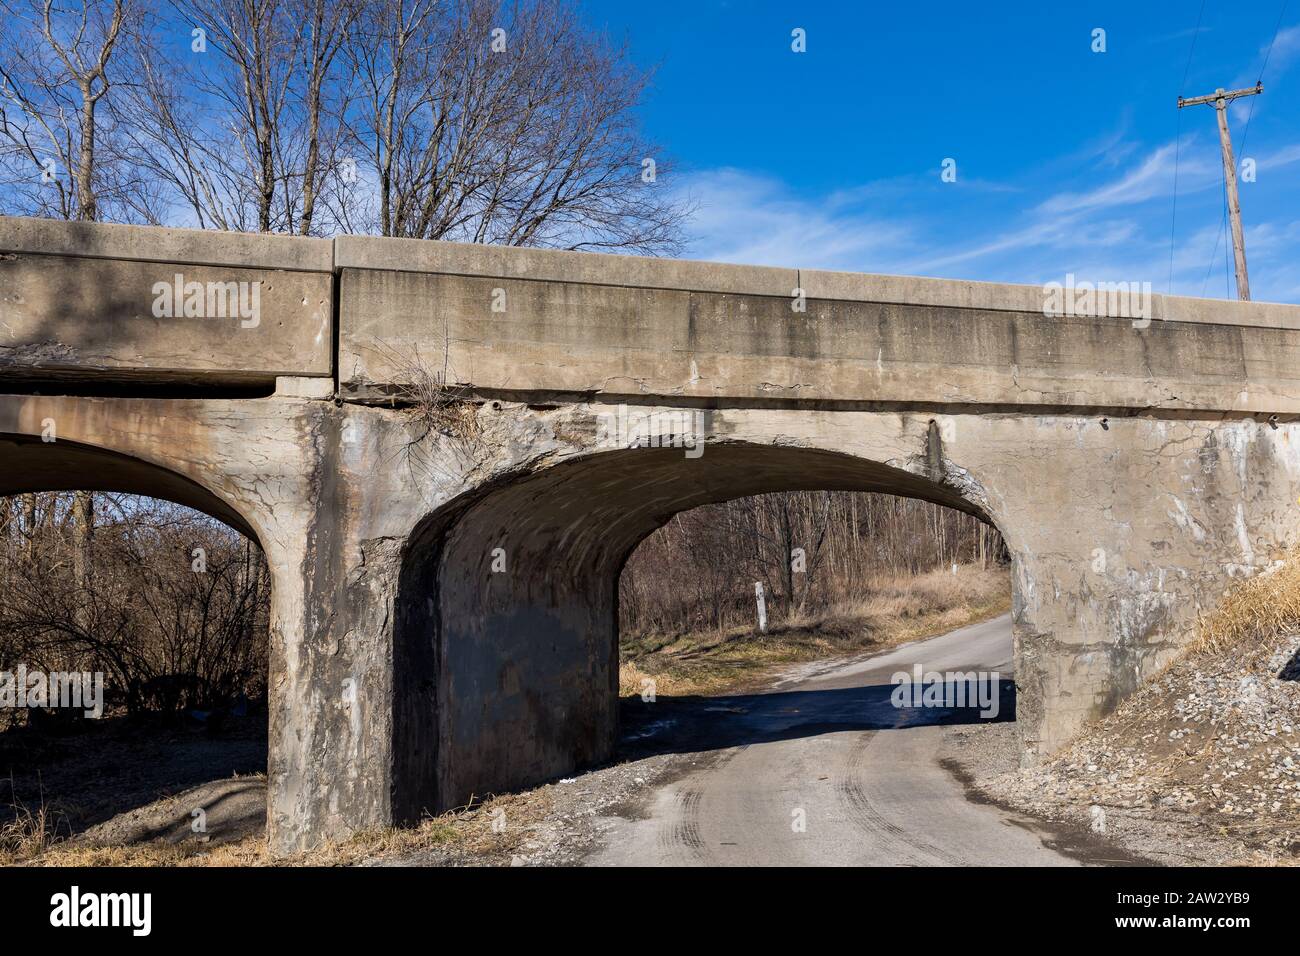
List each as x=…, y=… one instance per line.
x=444, y=610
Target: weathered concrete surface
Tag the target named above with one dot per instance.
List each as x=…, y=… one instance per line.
x=1120, y=536
x=445, y=574
x=991, y=345
x=293, y=475
x=250, y=464
x=78, y=302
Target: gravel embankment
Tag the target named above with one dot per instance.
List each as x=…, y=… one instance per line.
x=1201, y=765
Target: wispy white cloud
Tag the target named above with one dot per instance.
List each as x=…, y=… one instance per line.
x=1183, y=34
x=1279, y=158
x=1286, y=48
x=743, y=217
x=1118, y=229
x=1099, y=232
x=1273, y=61
x=1151, y=178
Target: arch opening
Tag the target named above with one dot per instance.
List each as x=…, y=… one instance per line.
x=507, y=624
x=136, y=604
x=32, y=465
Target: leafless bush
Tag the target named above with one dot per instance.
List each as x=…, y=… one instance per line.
x=174, y=613
x=698, y=572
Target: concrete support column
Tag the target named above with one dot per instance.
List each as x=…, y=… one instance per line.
x=331, y=698
x=331, y=676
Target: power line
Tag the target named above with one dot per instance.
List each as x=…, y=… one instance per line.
x=1276, y=30
x=1260, y=79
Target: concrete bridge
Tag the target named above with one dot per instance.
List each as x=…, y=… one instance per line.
x=429, y=441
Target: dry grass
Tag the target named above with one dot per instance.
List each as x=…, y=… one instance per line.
x=433, y=402
x=466, y=835
x=1252, y=613
x=29, y=834
x=893, y=610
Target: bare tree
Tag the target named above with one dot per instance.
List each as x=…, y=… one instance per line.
x=328, y=25
x=485, y=121
x=241, y=126
x=811, y=550
x=57, y=66
x=167, y=631
x=501, y=121
x=54, y=82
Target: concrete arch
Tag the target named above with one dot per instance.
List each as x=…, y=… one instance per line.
x=506, y=625
x=30, y=465
x=1135, y=468
x=33, y=465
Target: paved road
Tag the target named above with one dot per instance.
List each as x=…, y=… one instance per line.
x=827, y=741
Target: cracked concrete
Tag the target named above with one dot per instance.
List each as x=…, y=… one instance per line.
x=444, y=618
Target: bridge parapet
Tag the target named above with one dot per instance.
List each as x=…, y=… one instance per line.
x=96, y=304
x=541, y=322
x=106, y=304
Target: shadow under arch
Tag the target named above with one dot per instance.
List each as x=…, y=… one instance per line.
x=506, y=621
x=28, y=464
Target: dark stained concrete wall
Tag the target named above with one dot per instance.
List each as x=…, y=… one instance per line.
x=1134, y=472
x=699, y=334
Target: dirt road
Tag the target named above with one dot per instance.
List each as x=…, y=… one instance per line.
x=822, y=769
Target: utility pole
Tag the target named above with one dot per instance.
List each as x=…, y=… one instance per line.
x=1220, y=100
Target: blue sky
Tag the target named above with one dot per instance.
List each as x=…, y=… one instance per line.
x=1065, y=157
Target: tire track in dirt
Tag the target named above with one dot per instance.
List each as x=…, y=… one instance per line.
x=863, y=814
x=683, y=835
